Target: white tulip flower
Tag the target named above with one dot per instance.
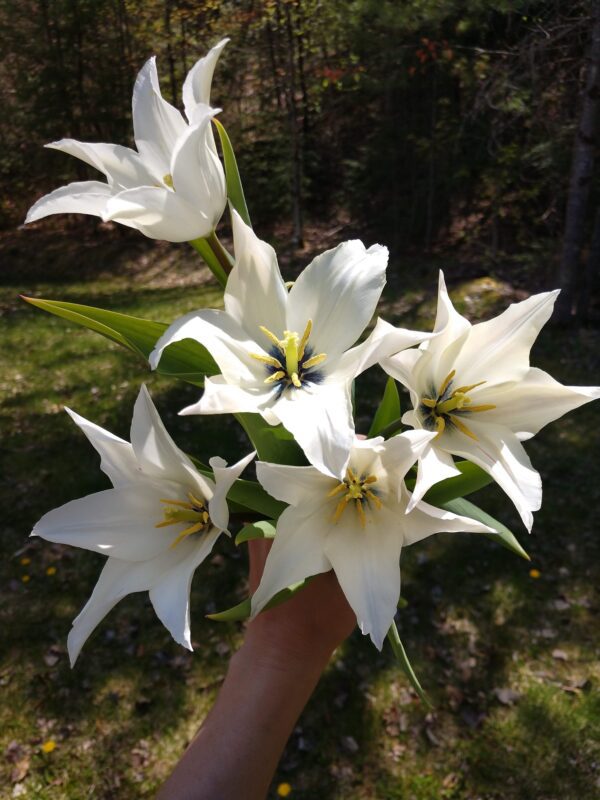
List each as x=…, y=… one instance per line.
x=289, y=355
x=473, y=385
x=356, y=526
x=173, y=187
x=156, y=525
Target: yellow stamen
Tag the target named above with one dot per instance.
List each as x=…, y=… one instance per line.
x=340, y=507
x=313, y=361
x=351, y=475
x=272, y=337
x=361, y=513
x=370, y=479
x=168, y=180
x=487, y=407
x=181, y=503
x=440, y=424
x=466, y=389
x=187, y=532
x=304, y=339
x=272, y=362
x=195, y=501
x=427, y=401
x=295, y=380
x=462, y=427
x=446, y=382
x=374, y=498
x=276, y=376
x=339, y=488
x=290, y=345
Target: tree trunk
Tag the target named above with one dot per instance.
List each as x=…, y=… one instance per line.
x=591, y=277
x=581, y=177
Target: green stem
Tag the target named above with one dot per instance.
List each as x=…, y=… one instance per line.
x=389, y=430
x=222, y=256
x=202, y=246
x=400, y=653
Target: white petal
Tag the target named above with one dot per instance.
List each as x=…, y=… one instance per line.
x=526, y=406
x=198, y=173
x=157, y=454
x=117, y=459
x=435, y=465
x=448, y=320
x=196, y=88
x=158, y=213
x=255, y=293
x=499, y=452
x=498, y=349
x=156, y=124
x=226, y=341
x=221, y=397
x=170, y=595
x=339, y=291
x=298, y=486
x=296, y=554
x=86, y=197
x=116, y=522
x=320, y=418
x=225, y=477
x=425, y=520
x=401, y=451
x=122, y=166
x=367, y=564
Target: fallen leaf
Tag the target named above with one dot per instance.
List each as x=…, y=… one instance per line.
x=20, y=770
x=560, y=655
x=507, y=696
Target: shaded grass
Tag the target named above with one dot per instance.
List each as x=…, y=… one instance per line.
x=476, y=625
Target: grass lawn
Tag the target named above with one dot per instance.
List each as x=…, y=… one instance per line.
x=511, y=661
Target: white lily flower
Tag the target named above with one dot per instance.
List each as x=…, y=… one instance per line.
x=289, y=355
x=473, y=385
x=356, y=526
x=156, y=525
x=173, y=187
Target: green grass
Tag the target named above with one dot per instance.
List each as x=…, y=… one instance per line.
x=476, y=622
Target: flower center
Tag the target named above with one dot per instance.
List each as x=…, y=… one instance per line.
x=356, y=489
x=449, y=406
x=168, y=180
x=177, y=512
x=291, y=361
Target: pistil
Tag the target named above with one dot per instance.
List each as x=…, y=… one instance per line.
x=446, y=407
x=356, y=489
x=287, y=363
x=179, y=511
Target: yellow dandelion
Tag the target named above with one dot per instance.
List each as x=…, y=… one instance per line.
x=25, y=578
x=284, y=790
x=48, y=746
x=534, y=573
x=51, y=571
x=25, y=560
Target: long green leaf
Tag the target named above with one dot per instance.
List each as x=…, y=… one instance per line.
x=400, y=653
x=471, y=479
x=242, y=610
x=503, y=535
x=256, y=530
x=388, y=410
x=235, y=190
x=251, y=495
x=187, y=360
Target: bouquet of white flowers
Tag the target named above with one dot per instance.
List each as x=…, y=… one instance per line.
x=283, y=359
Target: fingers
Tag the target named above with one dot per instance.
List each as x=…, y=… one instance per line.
x=258, y=550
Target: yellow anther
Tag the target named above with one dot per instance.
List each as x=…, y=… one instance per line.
x=370, y=479
x=196, y=502
x=361, y=513
x=295, y=380
x=427, y=401
x=466, y=389
x=270, y=360
x=181, y=503
x=187, y=532
x=304, y=339
x=350, y=475
x=374, y=498
x=446, y=382
x=340, y=507
x=168, y=180
x=440, y=424
x=276, y=376
x=272, y=337
x=339, y=488
x=486, y=407
x=313, y=361
x=462, y=427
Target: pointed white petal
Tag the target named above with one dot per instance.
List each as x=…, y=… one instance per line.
x=435, y=465
x=86, y=197
x=320, y=418
x=196, y=88
x=117, y=459
x=298, y=486
x=122, y=166
x=498, y=349
x=225, y=477
x=425, y=520
x=221, y=397
x=116, y=522
x=527, y=405
x=339, y=291
x=255, y=293
x=158, y=213
x=170, y=595
x=198, y=173
x=296, y=554
x=367, y=564
x=156, y=124
x=401, y=451
x=447, y=318
x=499, y=452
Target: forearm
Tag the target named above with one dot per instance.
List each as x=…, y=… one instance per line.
x=236, y=751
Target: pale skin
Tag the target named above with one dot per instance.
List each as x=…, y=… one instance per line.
x=268, y=683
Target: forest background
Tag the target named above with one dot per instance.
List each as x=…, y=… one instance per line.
x=463, y=135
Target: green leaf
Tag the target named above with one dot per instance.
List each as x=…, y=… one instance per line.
x=252, y=496
x=256, y=530
x=503, y=534
x=471, y=479
x=388, y=410
x=203, y=247
x=242, y=610
x=187, y=360
x=235, y=191
x=273, y=443
x=400, y=653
